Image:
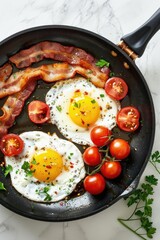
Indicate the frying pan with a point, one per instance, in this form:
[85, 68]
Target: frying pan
[139, 95]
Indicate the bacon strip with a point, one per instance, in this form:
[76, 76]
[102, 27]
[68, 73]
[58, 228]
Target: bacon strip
[5, 72]
[49, 73]
[53, 50]
[13, 107]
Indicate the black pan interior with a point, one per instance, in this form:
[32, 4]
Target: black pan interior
[141, 141]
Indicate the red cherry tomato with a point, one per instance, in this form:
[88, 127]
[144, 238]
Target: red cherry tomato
[119, 148]
[128, 119]
[11, 145]
[91, 156]
[94, 184]
[111, 169]
[38, 112]
[100, 135]
[116, 88]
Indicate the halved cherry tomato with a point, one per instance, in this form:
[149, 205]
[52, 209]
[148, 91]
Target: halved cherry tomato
[116, 88]
[119, 148]
[100, 136]
[11, 145]
[38, 112]
[91, 156]
[94, 184]
[111, 169]
[128, 119]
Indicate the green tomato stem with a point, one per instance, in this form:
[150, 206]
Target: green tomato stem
[154, 165]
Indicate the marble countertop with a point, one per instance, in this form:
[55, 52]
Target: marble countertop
[111, 19]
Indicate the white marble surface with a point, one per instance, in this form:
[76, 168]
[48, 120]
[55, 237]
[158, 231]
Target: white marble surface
[111, 19]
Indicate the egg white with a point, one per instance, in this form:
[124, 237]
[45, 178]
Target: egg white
[63, 185]
[58, 98]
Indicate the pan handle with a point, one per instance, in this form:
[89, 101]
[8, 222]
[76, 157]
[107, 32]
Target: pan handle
[137, 41]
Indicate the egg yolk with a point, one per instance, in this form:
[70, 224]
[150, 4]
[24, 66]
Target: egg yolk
[46, 165]
[84, 110]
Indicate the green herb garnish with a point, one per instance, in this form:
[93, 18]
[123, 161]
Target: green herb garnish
[14, 75]
[111, 74]
[34, 161]
[93, 101]
[101, 63]
[2, 186]
[48, 197]
[59, 108]
[45, 191]
[102, 95]
[7, 170]
[142, 200]
[26, 168]
[77, 105]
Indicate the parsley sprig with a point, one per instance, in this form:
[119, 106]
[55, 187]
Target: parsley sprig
[142, 200]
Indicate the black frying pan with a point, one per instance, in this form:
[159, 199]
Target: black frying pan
[139, 95]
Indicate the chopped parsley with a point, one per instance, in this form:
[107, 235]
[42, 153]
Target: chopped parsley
[7, 170]
[112, 74]
[34, 161]
[14, 75]
[59, 108]
[102, 95]
[77, 105]
[45, 191]
[101, 63]
[2, 186]
[70, 155]
[93, 101]
[26, 168]
[71, 180]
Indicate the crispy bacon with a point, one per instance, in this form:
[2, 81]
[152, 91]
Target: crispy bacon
[5, 72]
[49, 73]
[13, 107]
[21, 84]
[53, 50]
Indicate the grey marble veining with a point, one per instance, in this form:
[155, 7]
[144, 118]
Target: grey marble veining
[111, 19]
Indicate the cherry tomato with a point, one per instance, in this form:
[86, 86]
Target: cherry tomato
[100, 135]
[128, 119]
[11, 145]
[111, 169]
[94, 184]
[38, 112]
[91, 156]
[119, 148]
[116, 88]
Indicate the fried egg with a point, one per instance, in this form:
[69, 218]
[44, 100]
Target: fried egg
[76, 106]
[48, 169]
